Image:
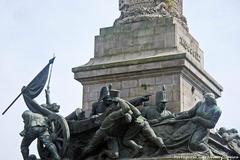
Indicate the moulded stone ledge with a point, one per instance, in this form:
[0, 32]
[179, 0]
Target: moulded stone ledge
[186, 156]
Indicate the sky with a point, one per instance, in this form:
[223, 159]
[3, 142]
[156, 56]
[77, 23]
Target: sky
[31, 31]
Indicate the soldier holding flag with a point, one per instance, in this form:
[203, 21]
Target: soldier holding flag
[35, 119]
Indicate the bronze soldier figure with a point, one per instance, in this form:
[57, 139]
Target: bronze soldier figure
[140, 125]
[35, 126]
[157, 113]
[229, 135]
[205, 115]
[108, 126]
[54, 107]
[103, 102]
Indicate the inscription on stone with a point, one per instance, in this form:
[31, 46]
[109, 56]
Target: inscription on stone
[190, 50]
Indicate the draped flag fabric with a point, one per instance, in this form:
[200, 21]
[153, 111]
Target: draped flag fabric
[34, 88]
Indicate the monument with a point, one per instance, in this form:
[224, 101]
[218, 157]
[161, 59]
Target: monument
[148, 46]
[148, 55]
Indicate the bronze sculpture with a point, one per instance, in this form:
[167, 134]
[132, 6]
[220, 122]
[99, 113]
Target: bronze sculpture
[205, 115]
[231, 137]
[140, 125]
[191, 128]
[108, 126]
[158, 112]
[119, 124]
[36, 126]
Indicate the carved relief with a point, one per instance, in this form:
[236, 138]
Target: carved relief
[136, 10]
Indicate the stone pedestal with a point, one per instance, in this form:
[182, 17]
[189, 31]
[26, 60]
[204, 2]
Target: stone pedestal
[139, 58]
[183, 158]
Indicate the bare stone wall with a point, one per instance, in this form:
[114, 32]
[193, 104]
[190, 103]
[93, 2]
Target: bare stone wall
[135, 38]
[190, 95]
[165, 36]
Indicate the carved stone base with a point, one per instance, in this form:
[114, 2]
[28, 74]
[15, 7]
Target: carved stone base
[181, 158]
[184, 156]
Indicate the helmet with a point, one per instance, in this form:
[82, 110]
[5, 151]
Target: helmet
[26, 114]
[55, 107]
[233, 130]
[210, 97]
[114, 93]
[161, 96]
[222, 130]
[104, 92]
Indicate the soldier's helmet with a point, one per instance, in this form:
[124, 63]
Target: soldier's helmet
[114, 93]
[26, 114]
[210, 97]
[233, 130]
[55, 107]
[104, 93]
[222, 130]
[161, 96]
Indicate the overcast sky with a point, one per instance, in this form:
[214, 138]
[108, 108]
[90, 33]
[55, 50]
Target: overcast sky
[32, 30]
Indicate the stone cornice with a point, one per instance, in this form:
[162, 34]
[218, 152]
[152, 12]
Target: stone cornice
[128, 63]
[152, 65]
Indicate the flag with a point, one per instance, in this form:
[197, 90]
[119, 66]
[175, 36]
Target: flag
[34, 88]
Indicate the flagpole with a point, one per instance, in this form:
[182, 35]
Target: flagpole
[50, 75]
[12, 103]
[50, 62]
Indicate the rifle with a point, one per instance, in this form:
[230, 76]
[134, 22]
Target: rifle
[139, 100]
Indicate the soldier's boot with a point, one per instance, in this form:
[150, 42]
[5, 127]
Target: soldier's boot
[53, 150]
[137, 152]
[109, 154]
[159, 142]
[210, 153]
[162, 148]
[137, 149]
